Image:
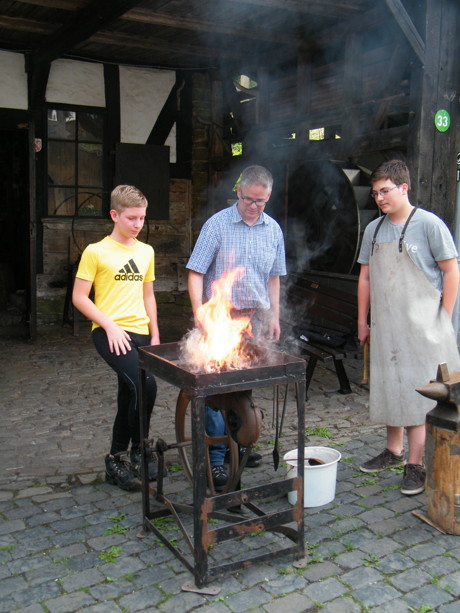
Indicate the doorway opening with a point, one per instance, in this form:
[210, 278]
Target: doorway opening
[14, 231]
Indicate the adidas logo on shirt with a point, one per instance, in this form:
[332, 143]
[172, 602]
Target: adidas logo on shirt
[129, 272]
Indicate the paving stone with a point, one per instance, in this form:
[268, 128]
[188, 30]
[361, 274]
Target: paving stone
[448, 608]
[141, 599]
[376, 594]
[439, 565]
[69, 602]
[341, 605]
[70, 551]
[111, 590]
[451, 583]
[83, 579]
[11, 585]
[284, 584]
[350, 559]
[294, 603]
[45, 573]
[103, 607]
[323, 591]
[410, 580]
[317, 572]
[9, 527]
[360, 577]
[395, 562]
[430, 595]
[33, 492]
[123, 566]
[247, 599]
[33, 608]
[424, 552]
[380, 547]
[398, 605]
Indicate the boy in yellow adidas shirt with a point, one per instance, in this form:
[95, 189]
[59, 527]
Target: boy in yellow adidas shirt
[121, 271]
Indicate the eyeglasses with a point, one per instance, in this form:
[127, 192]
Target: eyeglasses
[384, 191]
[249, 201]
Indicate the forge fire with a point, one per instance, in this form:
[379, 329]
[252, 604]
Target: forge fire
[218, 343]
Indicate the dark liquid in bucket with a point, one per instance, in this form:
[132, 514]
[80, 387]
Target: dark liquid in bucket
[313, 462]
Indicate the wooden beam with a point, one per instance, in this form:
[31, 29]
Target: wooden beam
[83, 24]
[179, 22]
[352, 86]
[408, 28]
[124, 40]
[167, 116]
[212, 27]
[392, 138]
[338, 8]
[25, 25]
[432, 154]
[80, 27]
[65, 5]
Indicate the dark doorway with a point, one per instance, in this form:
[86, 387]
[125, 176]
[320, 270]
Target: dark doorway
[14, 230]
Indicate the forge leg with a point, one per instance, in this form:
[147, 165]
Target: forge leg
[143, 420]
[301, 397]
[199, 490]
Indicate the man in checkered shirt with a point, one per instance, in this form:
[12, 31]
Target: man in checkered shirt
[241, 235]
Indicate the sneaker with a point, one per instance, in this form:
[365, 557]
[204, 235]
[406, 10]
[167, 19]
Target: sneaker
[386, 459]
[118, 471]
[136, 463]
[413, 480]
[254, 458]
[219, 477]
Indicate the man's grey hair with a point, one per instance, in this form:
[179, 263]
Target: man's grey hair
[256, 175]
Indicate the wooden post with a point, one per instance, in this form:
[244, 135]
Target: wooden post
[443, 477]
[432, 154]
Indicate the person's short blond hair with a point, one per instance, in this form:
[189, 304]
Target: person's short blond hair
[126, 196]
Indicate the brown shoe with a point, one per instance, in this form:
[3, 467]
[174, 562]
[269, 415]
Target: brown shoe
[386, 459]
[413, 480]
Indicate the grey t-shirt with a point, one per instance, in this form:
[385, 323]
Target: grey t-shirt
[428, 240]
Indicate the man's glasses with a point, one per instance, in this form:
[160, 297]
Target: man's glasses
[249, 201]
[384, 191]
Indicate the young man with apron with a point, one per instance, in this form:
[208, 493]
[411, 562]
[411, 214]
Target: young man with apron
[409, 281]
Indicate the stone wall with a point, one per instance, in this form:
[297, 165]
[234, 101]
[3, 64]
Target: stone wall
[65, 238]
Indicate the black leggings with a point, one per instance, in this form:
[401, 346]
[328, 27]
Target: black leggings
[126, 427]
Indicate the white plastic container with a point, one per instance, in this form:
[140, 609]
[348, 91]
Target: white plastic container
[319, 479]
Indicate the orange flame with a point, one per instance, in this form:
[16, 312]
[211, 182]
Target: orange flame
[218, 342]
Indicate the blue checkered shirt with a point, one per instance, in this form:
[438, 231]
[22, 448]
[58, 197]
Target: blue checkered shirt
[227, 241]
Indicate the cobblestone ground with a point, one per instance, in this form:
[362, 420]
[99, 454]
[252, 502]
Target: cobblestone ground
[69, 541]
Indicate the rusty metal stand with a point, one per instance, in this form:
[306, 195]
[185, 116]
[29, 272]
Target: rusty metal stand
[205, 507]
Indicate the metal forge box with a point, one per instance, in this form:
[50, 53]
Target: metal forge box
[268, 368]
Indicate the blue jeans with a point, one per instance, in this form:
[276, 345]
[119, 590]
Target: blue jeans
[215, 426]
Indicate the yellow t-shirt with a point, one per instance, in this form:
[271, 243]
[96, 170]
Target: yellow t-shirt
[118, 274]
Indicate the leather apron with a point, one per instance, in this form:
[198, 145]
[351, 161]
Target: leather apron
[411, 333]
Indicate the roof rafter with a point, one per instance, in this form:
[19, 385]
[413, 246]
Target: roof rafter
[323, 8]
[80, 26]
[407, 26]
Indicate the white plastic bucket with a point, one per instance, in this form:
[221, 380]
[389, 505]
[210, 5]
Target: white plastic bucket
[319, 479]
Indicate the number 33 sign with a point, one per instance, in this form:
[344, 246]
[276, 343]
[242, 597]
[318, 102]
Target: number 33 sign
[442, 120]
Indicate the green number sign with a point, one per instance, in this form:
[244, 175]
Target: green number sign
[442, 120]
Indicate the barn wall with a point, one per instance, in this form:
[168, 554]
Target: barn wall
[65, 239]
[143, 93]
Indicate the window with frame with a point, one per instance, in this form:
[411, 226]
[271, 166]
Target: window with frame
[75, 162]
